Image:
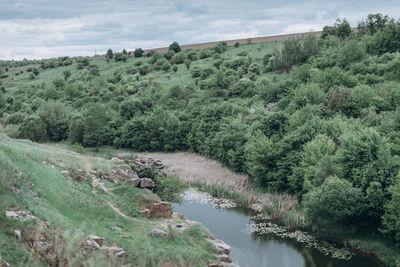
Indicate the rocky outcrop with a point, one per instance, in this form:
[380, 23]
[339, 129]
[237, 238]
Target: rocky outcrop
[148, 162]
[147, 183]
[163, 209]
[160, 233]
[116, 251]
[21, 215]
[3, 263]
[94, 242]
[134, 182]
[223, 251]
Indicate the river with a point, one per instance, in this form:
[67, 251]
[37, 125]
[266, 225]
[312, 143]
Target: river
[252, 249]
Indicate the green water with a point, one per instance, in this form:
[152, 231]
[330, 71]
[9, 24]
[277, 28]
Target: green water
[264, 250]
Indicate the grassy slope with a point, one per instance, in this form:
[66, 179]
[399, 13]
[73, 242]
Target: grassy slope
[76, 211]
[167, 79]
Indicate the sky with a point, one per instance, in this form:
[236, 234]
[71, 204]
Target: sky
[35, 29]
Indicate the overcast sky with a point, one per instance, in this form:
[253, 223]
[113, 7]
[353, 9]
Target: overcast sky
[50, 28]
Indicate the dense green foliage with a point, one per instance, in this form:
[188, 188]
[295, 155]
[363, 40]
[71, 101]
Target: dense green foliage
[325, 128]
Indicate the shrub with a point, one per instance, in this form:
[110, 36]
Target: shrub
[170, 188]
[336, 203]
[33, 128]
[138, 52]
[174, 47]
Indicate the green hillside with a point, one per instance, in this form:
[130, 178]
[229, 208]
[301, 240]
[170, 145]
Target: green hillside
[315, 116]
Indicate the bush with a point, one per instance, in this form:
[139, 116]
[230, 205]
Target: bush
[174, 47]
[33, 128]
[120, 57]
[170, 188]
[138, 52]
[333, 206]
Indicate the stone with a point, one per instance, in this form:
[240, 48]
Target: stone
[90, 245]
[22, 215]
[146, 183]
[65, 172]
[162, 208]
[116, 251]
[45, 246]
[225, 258]
[134, 181]
[99, 240]
[125, 156]
[145, 213]
[160, 233]
[3, 263]
[116, 228]
[18, 234]
[221, 246]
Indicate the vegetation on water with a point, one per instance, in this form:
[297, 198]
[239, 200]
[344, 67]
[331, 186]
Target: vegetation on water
[316, 117]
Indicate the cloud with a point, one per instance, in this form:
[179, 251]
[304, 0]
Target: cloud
[47, 28]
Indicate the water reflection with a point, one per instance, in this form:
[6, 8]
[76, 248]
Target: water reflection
[264, 250]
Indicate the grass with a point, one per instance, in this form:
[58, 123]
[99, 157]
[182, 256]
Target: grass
[75, 212]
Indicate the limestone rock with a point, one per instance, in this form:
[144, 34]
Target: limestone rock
[146, 183]
[22, 215]
[134, 181]
[99, 240]
[3, 263]
[18, 234]
[116, 251]
[221, 246]
[225, 258]
[45, 246]
[89, 245]
[162, 208]
[160, 233]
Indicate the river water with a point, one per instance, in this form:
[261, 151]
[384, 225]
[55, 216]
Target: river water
[252, 249]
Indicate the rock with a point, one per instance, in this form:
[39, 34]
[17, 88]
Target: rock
[160, 233]
[222, 264]
[221, 246]
[18, 234]
[45, 246]
[145, 213]
[3, 263]
[60, 164]
[99, 240]
[65, 172]
[22, 215]
[163, 209]
[116, 251]
[134, 181]
[116, 228]
[146, 183]
[225, 258]
[90, 245]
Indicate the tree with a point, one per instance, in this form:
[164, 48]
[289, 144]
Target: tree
[55, 117]
[138, 52]
[391, 217]
[343, 28]
[124, 52]
[120, 57]
[33, 128]
[334, 204]
[174, 47]
[67, 74]
[95, 125]
[109, 54]
[35, 71]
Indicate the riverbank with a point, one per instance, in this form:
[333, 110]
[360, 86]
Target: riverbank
[210, 176]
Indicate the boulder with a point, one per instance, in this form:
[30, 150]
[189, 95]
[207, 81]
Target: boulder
[22, 215]
[18, 234]
[3, 263]
[146, 183]
[89, 245]
[225, 258]
[221, 246]
[133, 181]
[45, 246]
[99, 240]
[162, 208]
[160, 233]
[116, 251]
